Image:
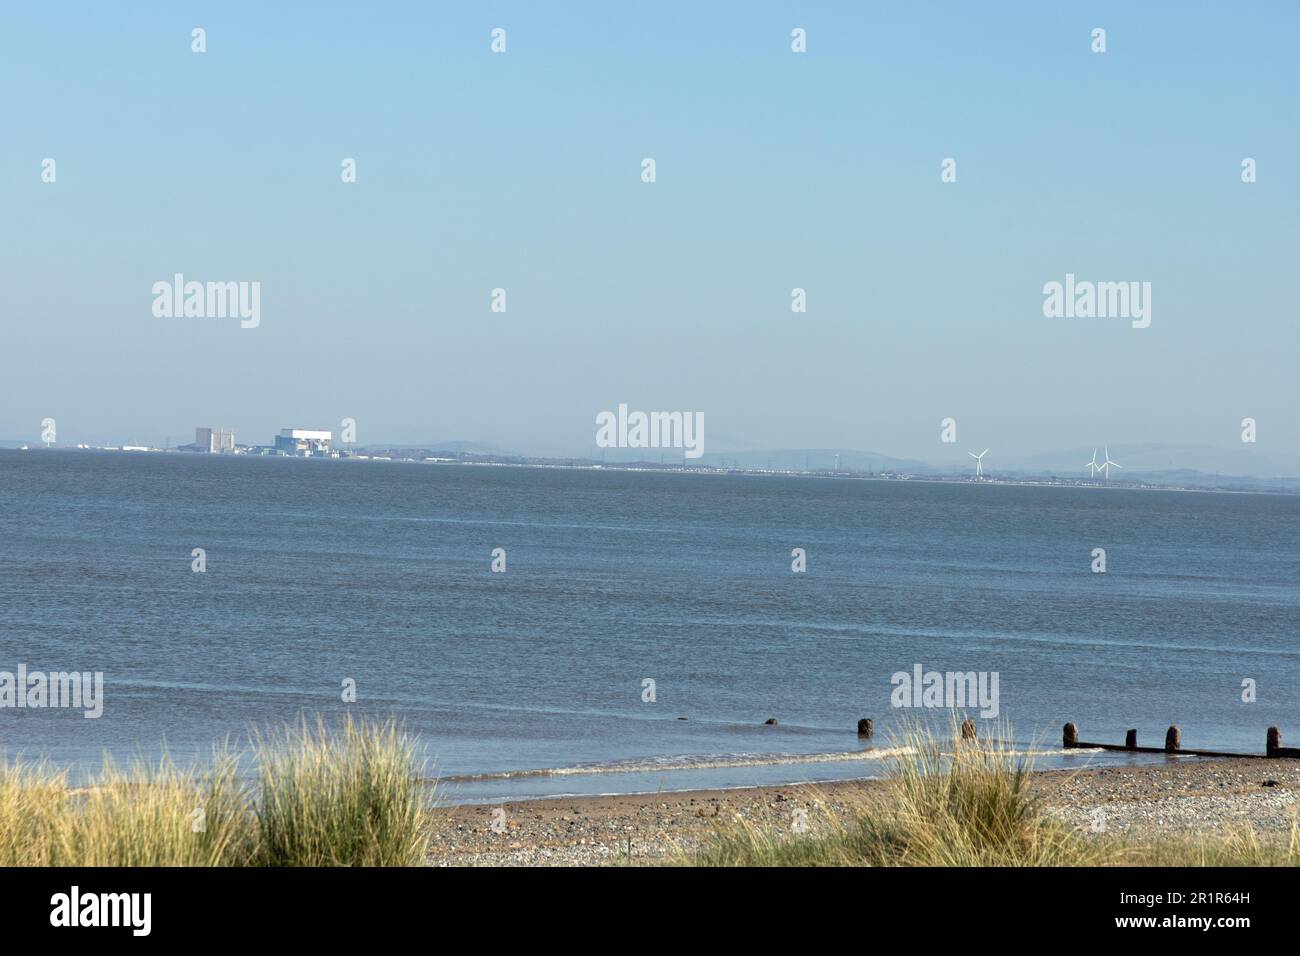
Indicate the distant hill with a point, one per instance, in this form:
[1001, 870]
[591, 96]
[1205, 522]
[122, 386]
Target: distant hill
[1150, 459]
[456, 447]
[818, 459]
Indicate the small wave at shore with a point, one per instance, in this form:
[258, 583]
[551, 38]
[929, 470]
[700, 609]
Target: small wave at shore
[722, 761]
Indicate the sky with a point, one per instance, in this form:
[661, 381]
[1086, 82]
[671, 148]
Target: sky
[775, 170]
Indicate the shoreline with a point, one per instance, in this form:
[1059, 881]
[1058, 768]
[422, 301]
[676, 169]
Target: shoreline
[1025, 481]
[1182, 795]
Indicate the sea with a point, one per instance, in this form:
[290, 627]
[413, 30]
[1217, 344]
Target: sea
[646, 625]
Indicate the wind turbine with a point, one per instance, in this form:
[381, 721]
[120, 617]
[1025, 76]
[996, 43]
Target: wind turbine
[1092, 466]
[1107, 464]
[979, 462]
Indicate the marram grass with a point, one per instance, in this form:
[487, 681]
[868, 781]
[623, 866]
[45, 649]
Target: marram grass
[1238, 846]
[348, 798]
[971, 804]
[352, 796]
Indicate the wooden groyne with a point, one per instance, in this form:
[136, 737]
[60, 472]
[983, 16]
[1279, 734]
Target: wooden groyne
[1174, 745]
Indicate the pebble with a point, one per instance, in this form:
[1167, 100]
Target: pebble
[1185, 794]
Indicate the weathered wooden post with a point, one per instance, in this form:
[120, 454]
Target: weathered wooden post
[1070, 736]
[968, 729]
[1131, 740]
[865, 728]
[1173, 739]
[1274, 742]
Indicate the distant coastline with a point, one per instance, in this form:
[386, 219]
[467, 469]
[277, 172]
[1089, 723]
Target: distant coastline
[1138, 481]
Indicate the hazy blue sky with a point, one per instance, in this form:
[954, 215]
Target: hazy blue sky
[775, 170]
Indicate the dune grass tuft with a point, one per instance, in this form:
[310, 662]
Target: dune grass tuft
[353, 796]
[145, 815]
[32, 800]
[1238, 846]
[965, 804]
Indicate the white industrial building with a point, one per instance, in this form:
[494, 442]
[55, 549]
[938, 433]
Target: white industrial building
[303, 441]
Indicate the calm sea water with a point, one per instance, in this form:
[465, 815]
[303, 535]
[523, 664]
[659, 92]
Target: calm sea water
[530, 682]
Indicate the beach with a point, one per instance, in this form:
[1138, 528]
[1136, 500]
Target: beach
[1183, 795]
